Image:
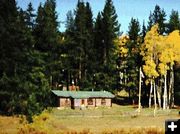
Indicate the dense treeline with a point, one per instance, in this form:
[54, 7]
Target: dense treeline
[36, 57]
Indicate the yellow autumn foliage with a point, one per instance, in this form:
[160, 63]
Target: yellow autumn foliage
[150, 69]
[41, 125]
[160, 52]
[150, 50]
[173, 42]
[163, 68]
[170, 51]
[120, 44]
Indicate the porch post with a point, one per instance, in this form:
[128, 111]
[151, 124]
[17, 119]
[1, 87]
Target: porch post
[95, 102]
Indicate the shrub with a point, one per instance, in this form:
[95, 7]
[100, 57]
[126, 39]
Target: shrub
[39, 125]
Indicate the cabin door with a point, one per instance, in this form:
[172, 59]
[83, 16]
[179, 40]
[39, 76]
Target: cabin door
[82, 102]
[72, 103]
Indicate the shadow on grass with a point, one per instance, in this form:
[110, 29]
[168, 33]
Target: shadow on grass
[124, 100]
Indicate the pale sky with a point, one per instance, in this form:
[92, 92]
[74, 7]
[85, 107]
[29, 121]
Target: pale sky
[125, 9]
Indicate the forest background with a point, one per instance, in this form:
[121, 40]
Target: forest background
[35, 57]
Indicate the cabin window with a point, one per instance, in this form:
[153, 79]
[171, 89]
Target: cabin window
[90, 101]
[67, 102]
[103, 101]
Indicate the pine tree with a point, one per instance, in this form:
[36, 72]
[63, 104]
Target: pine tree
[134, 29]
[38, 29]
[89, 49]
[70, 54]
[30, 16]
[110, 30]
[8, 17]
[158, 17]
[80, 29]
[15, 83]
[98, 40]
[84, 41]
[106, 31]
[134, 59]
[46, 28]
[174, 22]
[46, 37]
[144, 30]
[150, 22]
[69, 22]
[89, 18]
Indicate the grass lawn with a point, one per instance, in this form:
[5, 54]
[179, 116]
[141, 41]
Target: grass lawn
[117, 117]
[96, 120]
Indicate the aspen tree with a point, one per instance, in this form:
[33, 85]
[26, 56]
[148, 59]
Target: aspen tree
[122, 52]
[172, 55]
[149, 51]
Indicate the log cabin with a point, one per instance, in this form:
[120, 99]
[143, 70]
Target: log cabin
[83, 99]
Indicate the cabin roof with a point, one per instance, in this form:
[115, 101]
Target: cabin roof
[83, 94]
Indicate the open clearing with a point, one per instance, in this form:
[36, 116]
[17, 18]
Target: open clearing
[96, 120]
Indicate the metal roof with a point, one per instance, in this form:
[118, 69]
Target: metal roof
[83, 94]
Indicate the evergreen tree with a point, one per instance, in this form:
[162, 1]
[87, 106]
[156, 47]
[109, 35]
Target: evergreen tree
[38, 29]
[84, 41]
[80, 32]
[150, 22]
[106, 31]
[158, 16]
[110, 30]
[69, 22]
[46, 37]
[89, 18]
[134, 59]
[174, 21]
[134, 34]
[89, 48]
[14, 80]
[30, 16]
[144, 30]
[69, 51]
[8, 15]
[134, 29]
[162, 24]
[46, 29]
[98, 40]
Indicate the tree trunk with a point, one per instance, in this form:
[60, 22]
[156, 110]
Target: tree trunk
[139, 105]
[172, 97]
[155, 103]
[105, 56]
[151, 88]
[125, 78]
[51, 82]
[159, 97]
[80, 69]
[171, 88]
[159, 92]
[68, 80]
[165, 93]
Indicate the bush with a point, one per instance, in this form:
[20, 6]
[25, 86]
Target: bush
[39, 125]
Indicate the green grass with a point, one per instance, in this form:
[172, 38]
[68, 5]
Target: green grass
[114, 111]
[118, 119]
